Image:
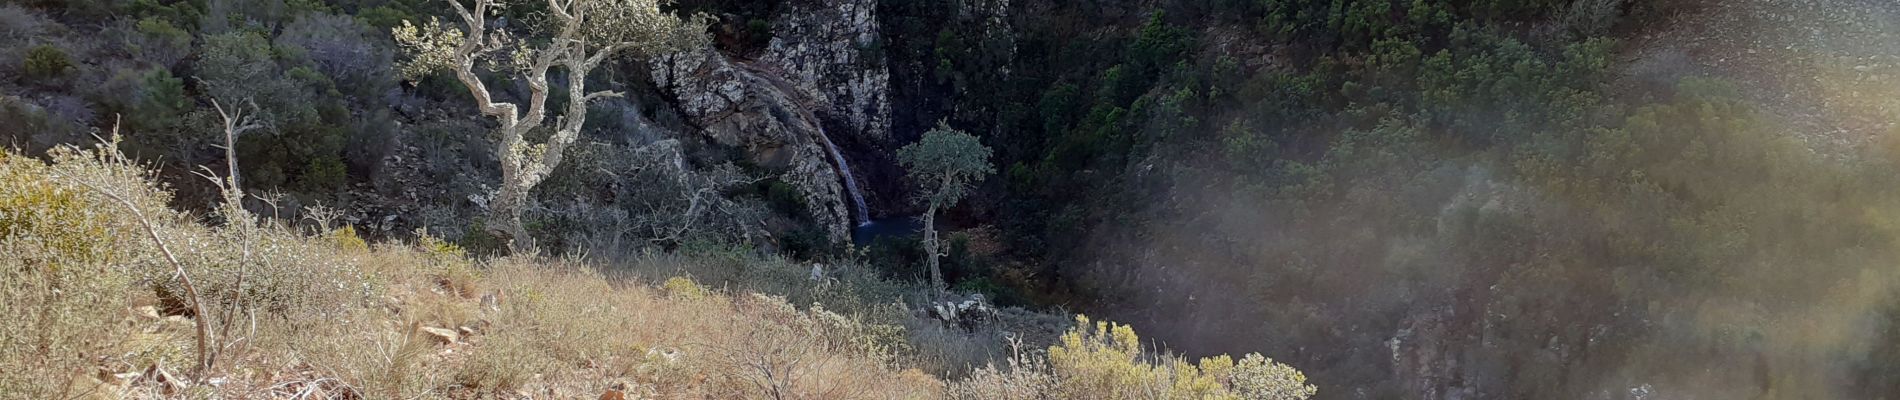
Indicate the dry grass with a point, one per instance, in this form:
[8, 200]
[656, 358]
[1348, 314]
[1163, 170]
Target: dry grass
[92, 311]
[92, 314]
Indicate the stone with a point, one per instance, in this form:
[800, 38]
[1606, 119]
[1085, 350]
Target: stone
[439, 335]
[664, 354]
[146, 312]
[970, 312]
[491, 301]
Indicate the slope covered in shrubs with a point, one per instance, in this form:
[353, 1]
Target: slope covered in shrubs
[110, 294]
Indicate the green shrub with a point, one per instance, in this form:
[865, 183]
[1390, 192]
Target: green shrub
[32, 128]
[384, 17]
[239, 68]
[784, 198]
[1257, 377]
[805, 242]
[1103, 360]
[325, 174]
[449, 265]
[64, 299]
[1159, 44]
[184, 13]
[45, 62]
[681, 287]
[345, 238]
[158, 42]
[479, 240]
[53, 220]
[158, 106]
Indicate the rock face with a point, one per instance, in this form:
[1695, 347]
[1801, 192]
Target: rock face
[745, 106]
[822, 74]
[829, 51]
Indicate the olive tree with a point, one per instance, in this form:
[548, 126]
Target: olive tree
[943, 165]
[576, 36]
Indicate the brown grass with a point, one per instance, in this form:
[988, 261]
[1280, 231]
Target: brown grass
[90, 312]
[295, 316]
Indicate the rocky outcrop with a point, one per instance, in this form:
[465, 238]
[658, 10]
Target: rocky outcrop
[830, 52]
[740, 105]
[992, 16]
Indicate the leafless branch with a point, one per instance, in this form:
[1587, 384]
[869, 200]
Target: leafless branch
[235, 123]
[199, 317]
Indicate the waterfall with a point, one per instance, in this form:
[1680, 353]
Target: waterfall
[783, 96]
[862, 212]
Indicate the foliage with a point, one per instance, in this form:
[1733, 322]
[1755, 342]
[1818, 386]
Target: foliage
[57, 242]
[47, 63]
[33, 128]
[345, 238]
[583, 34]
[1103, 360]
[357, 331]
[157, 41]
[651, 195]
[23, 23]
[161, 101]
[1257, 377]
[343, 50]
[944, 164]
[1024, 377]
[238, 68]
[684, 288]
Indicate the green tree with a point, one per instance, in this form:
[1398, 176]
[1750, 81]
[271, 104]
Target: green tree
[943, 164]
[158, 42]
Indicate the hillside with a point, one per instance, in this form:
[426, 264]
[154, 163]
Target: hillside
[1473, 199]
[112, 295]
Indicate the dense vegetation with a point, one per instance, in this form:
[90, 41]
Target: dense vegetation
[1408, 198]
[114, 295]
[1415, 197]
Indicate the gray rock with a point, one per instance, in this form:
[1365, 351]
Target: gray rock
[828, 51]
[749, 107]
[440, 335]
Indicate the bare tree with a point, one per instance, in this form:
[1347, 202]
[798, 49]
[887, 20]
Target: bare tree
[206, 342]
[585, 33]
[235, 123]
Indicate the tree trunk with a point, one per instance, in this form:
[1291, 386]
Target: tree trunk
[930, 248]
[504, 212]
[504, 216]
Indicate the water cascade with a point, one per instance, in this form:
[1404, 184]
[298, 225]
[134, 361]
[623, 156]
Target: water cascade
[859, 210]
[802, 116]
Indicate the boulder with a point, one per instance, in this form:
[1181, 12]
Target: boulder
[968, 312]
[147, 312]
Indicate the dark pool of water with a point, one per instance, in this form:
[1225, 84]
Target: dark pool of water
[894, 227]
